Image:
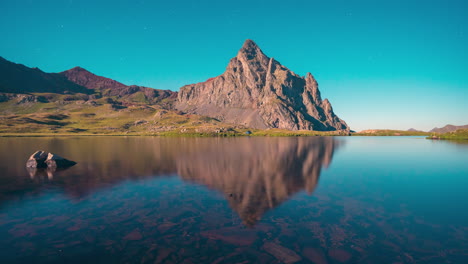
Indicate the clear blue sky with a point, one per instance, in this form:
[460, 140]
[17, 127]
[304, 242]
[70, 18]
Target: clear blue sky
[383, 64]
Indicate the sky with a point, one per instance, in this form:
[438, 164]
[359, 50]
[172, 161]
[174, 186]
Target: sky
[382, 64]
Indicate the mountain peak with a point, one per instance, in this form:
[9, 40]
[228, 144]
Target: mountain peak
[90, 80]
[249, 44]
[77, 69]
[259, 92]
[250, 50]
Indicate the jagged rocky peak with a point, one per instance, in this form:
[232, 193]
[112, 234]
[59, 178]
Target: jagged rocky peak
[259, 92]
[250, 51]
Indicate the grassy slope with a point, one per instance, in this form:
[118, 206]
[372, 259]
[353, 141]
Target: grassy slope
[460, 134]
[389, 132]
[77, 117]
[107, 116]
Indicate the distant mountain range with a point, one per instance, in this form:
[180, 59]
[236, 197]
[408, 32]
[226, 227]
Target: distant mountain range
[255, 91]
[19, 79]
[447, 128]
[109, 87]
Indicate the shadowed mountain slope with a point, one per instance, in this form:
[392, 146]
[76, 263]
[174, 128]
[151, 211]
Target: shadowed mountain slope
[17, 78]
[109, 87]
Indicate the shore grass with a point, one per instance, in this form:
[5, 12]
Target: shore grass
[390, 132]
[177, 133]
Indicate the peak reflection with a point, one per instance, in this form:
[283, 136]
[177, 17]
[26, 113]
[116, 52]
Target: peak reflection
[259, 174]
[254, 174]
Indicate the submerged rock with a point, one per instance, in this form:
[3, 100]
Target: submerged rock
[283, 254]
[42, 159]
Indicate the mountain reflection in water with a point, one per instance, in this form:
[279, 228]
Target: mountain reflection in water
[255, 175]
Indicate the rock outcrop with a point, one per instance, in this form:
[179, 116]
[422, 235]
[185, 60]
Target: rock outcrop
[43, 159]
[55, 161]
[259, 92]
[37, 160]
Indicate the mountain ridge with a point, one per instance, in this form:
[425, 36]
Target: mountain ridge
[110, 87]
[255, 91]
[18, 78]
[447, 128]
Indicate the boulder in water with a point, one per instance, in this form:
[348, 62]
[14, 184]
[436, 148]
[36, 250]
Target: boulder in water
[42, 159]
[37, 160]
[55, 161]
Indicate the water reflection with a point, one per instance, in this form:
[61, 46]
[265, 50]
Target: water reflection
[257, 175]
[254, 174]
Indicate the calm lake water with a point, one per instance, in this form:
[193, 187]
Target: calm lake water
[236, 200]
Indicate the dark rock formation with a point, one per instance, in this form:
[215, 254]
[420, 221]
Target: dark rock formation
[447, 128]
[42, 159]
[259, 92]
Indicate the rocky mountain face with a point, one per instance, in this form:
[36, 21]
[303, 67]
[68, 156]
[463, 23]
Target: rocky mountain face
[109, 87]
[259, 92]
[447, 128]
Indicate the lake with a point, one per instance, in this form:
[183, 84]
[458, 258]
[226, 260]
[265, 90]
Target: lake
[235, 200]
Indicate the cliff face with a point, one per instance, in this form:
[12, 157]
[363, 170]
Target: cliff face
[259, 92]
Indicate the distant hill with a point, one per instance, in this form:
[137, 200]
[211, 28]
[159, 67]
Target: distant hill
[17, 78]
[447, 128]
[414, 130]
[389, 132]
[109, 87]
[20, 79]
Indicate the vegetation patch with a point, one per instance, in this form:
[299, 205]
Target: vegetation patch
[460, 134]
[389, 132]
